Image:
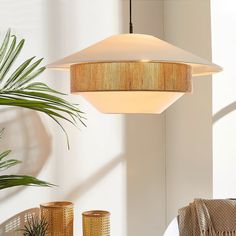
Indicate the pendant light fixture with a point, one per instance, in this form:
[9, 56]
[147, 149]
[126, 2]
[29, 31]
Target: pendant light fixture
[133, 73]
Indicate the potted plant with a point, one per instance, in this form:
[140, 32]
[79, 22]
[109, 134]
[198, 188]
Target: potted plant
[35, 227]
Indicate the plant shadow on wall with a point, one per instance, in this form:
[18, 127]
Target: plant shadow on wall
[17, 89]
[29, 141]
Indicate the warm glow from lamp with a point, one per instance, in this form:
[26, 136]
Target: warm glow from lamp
[132, 102]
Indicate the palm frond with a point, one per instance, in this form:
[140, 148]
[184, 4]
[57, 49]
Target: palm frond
[10, 57]
[8, 163]
[17, 73]
[8, 181]
[3, 48]
[4, 154]
[19, 88]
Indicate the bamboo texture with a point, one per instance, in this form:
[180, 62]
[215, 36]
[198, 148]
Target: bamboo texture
[59, 216]
[96, 223]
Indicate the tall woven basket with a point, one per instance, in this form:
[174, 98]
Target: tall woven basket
[60, 216]
[96, 223]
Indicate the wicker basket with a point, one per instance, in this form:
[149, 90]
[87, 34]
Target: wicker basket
[96, 223]
[59, 216]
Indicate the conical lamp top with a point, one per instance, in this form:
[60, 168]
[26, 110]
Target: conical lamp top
[137, 47]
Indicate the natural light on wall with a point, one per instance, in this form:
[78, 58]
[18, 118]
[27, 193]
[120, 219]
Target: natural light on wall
[224, 98]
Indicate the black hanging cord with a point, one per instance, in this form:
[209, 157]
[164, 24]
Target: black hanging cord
[131, 29]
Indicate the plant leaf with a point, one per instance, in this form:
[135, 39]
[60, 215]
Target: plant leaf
[11, 59]
[41, 87]
[3, 48]
[25, 73]
[19, 89]
[31, 76]
[4, 165]
[17, 72]
[4, 154]
[8, 181]
[35, 226]
[9, 52]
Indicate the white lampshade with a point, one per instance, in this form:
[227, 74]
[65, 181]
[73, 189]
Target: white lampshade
[132, 102]
[133, 73]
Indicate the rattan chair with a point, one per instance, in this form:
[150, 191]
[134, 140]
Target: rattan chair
[13, 226]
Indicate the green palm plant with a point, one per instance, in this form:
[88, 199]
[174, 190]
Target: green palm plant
[19, 89]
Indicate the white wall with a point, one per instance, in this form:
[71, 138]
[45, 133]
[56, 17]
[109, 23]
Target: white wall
[188, 121]
[224, 96]
[117, 162]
